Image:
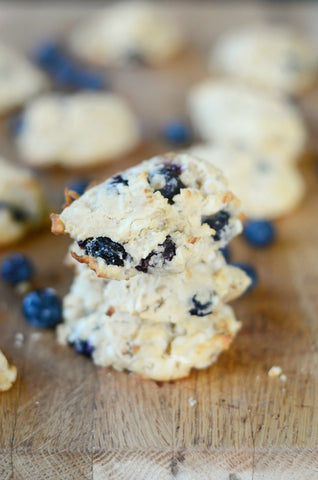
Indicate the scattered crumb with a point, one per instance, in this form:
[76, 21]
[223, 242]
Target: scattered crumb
[192, 401]
[8, 374]
[283, 377]
[35, 336]
[274, 371]
[37, 403]
[18, 340]
[23, 287]
[257, 378]
[283, 389]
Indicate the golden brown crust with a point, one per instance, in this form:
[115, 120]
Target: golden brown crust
[58, 226]
[70, 196]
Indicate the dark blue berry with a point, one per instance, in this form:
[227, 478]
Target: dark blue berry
[259, 233]
[88, 80]
[177, 133]
[16, 124]
[16, 268]
[173, 184]
[117, 180]
[113, 253]
[83, 347]
[78, 185]
[47, 54]
[250, 271]
[42, 308]
[157, 259]
[200, 309]
[16, 213]
[226, 252]
[217, 221]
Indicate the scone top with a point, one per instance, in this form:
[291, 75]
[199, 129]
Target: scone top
[157, 217]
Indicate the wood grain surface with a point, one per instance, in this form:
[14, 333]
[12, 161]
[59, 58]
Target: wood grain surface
[66, 419]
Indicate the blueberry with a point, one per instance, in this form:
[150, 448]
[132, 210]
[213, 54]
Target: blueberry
[259, 233]
[177, 133]
[78, 185]
[217, 221]
[83, 347]
[42, 308]
[16, 268]
[65, 73]
[117, 180]
[88, 80]
[113, 253]
[200, 309]
[173, 184]
[16, 213]
[158, 258]
[16, 124]
[250, 271]
[135, 57]
[226, 252]
[47, 54]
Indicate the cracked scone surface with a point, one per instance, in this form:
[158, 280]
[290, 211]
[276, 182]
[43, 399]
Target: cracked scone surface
[127, 32]
[19, 79]
[229, 112]
[270, 56]
[22, 204]
[266, 187]
[77, 130]
[157, 217]
[157, 350]
[196, 292]
[8, 373]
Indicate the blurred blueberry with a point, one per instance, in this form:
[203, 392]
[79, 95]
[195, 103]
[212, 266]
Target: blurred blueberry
[250, 271]
[259, 233]
[16, 124]
[78, 185]
[226, 252]
[177, 132]
[47, 54]
[83, 347]
[42, 308]
[16, 268]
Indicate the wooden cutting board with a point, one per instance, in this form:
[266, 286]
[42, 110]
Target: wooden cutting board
[66, 419]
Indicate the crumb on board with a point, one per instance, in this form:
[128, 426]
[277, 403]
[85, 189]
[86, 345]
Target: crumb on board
[18, 340]
[8, 374]
[275, 371]
[283, 377]
[192, 401]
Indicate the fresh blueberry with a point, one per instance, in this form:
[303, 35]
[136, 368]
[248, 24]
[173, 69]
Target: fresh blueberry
[217, 221]
[78, 185]
[16, 213]
[16, 268]
[158, 258]
[226, 252]
[177, 133]
[250, 271]
[83, 347]
[259, 233]
[173, 184]
[42, 308]
[113, 253]
[16, 124]
[47, 54]
[65, 73]
[89, 80]
[200, 309]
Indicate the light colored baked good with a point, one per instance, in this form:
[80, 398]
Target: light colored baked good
[19, 79]
[126, 32]
[157, 217]
[270, 56]
[8, 374]
[77, 130]
[22, 204]
[198, 291]
[266, 187]
[228, 112]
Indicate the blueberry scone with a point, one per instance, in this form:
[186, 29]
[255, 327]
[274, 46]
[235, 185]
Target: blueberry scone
[196, 292]
[157, 350]
[8, 374]
[127, 32]
[228, 112]
[266, 187]
[22, 205]
[157, 217]
[19, 79]
[270, 56]
[76, 130]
